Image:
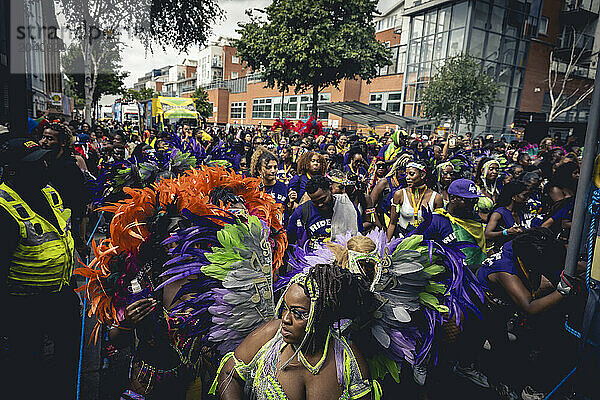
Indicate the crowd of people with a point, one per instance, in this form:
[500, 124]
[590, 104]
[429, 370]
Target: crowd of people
[448, 248]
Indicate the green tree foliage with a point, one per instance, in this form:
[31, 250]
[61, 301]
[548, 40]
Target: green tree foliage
[203, 106]
[313, 44]
[138, 95]
[108, 81]
[166, 23]
[459, 91]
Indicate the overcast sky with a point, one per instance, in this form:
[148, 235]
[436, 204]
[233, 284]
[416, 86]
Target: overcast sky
[137, 62]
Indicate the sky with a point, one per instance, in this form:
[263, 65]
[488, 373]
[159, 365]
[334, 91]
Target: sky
[137, 61]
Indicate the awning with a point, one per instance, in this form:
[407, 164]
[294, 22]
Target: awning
[371, 116]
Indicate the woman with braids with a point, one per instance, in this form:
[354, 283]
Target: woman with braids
[445, 176]
[384, 190]
[407, 203]
[309, 164]
[301, 355]
[506, 219]
[486, 176]
[264, 166]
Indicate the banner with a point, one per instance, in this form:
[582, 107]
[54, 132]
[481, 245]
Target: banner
[174, 107]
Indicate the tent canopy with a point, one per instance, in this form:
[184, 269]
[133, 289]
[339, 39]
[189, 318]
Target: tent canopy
[371, 116]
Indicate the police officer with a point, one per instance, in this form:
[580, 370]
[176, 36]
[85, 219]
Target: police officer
[40, 310]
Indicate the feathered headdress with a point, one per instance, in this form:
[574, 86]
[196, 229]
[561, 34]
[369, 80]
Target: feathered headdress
[136, 223]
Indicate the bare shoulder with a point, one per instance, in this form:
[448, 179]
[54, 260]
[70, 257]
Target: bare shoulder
[253, 342]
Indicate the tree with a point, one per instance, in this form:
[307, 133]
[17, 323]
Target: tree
[168, 23]
[108, 80]
[138, 95]
[203, 106]
[562, 97]
[459, 91]
[313, 44]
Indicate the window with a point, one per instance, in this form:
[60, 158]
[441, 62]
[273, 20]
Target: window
[394, 101]
[261, 108]
[234, 75]
[389, 101]
[543, 26]
[238, 110]
[235, 60]
[376, 100]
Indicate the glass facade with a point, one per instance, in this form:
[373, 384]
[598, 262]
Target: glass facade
[496, 32]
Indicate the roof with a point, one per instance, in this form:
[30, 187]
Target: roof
[423, 6]
[365, 114]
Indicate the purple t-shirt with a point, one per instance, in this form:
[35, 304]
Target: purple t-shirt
[440, 229]
[278, 191]
[298, 183]
[318, 228]
[499, 262]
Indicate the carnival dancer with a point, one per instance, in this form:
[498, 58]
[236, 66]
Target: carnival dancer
[324, 217]
[407, 203]
[486, 177]
[384, 190]
[150, 268]
[413, 289]
[301, 355]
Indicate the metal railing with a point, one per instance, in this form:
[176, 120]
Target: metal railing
[580, 71]
[575, 5]
[568, 39]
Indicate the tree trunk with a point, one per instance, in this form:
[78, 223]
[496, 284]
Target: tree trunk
[315, 101]
[282, 102]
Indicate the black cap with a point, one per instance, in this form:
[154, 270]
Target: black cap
[18, 150]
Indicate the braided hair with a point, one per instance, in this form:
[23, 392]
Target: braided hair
[340, 295]
[65, 137]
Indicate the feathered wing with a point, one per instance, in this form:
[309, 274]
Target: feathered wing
[119, 259]
[242, 299]
[423, 284]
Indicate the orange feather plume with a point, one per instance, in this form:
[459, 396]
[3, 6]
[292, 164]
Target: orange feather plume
[190, 191]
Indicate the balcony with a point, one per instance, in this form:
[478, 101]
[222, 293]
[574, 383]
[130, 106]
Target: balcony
[579, 12]
[216, 63]
[580, 71]
[582, 43]
[186, 89]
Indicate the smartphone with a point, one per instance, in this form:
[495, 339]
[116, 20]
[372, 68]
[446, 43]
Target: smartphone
[452, 142]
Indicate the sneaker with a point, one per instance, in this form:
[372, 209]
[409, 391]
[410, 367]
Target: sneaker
[420, 373]
[506, 393]
[529, 393]
[471, 373]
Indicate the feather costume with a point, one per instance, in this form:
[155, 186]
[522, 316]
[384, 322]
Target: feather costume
[144, 221]
[420, 284]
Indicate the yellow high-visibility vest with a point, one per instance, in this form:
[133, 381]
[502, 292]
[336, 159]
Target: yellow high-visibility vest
[43, 259]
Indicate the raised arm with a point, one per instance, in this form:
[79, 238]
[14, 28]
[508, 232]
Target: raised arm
[396, 201]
